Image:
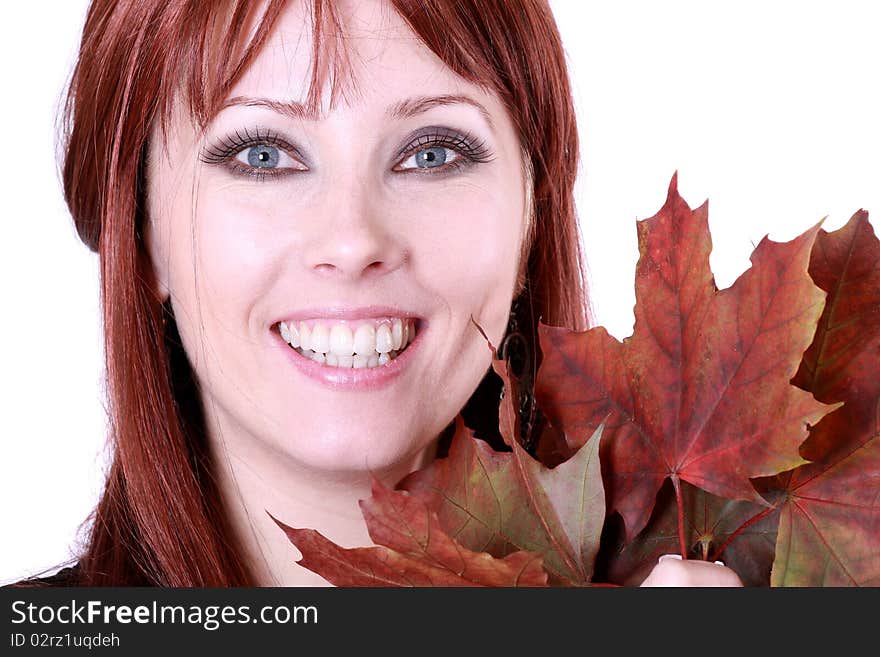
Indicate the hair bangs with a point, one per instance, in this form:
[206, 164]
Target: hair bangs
[221, 45]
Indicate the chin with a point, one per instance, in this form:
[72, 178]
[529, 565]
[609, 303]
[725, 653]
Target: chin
[343, 452]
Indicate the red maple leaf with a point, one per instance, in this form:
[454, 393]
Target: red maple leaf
[700, 392]
[412, 550]
[829, 531]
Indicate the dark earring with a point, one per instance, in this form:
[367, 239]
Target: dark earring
[516, 350]
[167, 312]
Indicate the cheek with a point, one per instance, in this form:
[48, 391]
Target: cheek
[223, 260]
[472, 249]
[233, 252]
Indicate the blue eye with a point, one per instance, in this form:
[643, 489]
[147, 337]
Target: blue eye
[439, 150]
[434, 157]
[264, 156]
[431, 157]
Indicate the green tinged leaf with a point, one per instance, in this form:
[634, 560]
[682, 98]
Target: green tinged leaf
[506, 501]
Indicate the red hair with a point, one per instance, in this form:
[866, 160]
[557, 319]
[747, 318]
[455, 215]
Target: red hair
[161, 520]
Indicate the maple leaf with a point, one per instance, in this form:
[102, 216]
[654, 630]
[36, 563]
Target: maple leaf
[412, 550]
[501, 502]
[843, 361]
[700, 392]
[829, 528]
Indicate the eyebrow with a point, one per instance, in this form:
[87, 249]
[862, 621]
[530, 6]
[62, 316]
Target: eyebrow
[403, 109]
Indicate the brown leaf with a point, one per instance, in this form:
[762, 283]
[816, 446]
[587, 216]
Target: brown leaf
[413, 550]
[700, 392]
[502, 502]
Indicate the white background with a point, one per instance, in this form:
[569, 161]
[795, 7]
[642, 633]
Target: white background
[767, 109]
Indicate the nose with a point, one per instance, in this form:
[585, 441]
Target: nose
[354, 235]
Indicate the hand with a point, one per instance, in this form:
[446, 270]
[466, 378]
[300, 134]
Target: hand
[672, 570]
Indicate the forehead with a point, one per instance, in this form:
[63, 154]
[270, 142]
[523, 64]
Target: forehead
[371, 56]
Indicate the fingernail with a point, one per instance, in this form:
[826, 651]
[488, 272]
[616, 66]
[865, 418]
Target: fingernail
[669, 556]
[719, 563]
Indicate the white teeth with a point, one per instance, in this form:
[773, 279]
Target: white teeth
[396, 333]
[371, 344]
[356, 362]
[289, 333]
[365, 339]
[320, 338]
[341, 340]
[383, 339]
[305, 336]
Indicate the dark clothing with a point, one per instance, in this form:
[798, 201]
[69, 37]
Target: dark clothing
[68, 576]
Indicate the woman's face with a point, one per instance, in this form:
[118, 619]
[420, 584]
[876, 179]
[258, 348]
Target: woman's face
[403, 205]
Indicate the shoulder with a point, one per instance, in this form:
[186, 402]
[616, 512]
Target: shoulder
[67, 576]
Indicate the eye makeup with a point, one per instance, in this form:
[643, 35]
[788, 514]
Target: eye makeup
[468, 146]
[469, 150]
[224, 152]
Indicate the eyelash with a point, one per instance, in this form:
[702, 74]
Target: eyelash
[469, 149]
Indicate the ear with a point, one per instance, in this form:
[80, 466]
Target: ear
[157, 259]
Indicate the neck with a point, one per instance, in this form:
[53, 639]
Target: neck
[256, 481]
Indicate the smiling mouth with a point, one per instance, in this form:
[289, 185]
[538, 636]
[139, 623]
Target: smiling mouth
[361, 344]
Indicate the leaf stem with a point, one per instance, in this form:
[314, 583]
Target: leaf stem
[755, 518]
[680, 505]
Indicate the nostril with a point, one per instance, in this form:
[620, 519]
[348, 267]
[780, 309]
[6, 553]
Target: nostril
[354, 269]
[379, 265]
